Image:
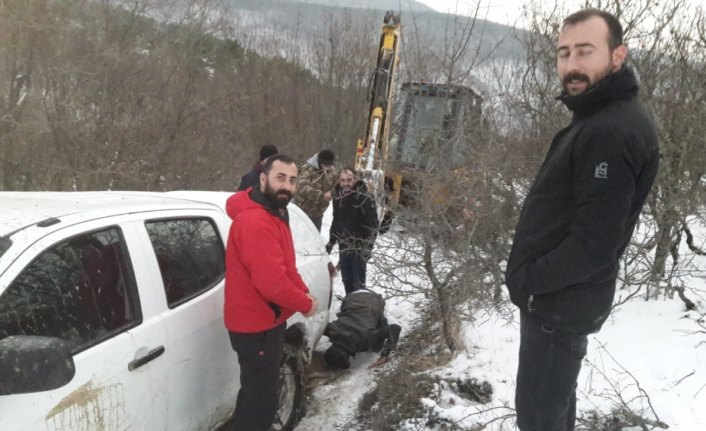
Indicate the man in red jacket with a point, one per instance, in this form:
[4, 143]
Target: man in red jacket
[263, 289]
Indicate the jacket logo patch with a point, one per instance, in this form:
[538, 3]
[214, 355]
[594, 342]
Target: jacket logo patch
[601, 171]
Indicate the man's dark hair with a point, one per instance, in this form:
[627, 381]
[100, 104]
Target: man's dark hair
[350, 170]
[267, 151]
[615, 29]
[326, 157]
[337, 356]
[277, 157]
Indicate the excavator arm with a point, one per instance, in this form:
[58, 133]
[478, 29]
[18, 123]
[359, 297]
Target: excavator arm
[371, 152]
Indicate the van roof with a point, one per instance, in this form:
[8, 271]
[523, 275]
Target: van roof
[23, 209]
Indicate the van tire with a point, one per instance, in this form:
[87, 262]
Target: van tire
[291, 398]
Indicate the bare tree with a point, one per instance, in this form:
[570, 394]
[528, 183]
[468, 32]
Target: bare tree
[157, 94]
[457, 203]
[23, 24]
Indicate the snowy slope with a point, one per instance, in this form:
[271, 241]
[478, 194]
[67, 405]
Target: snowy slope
[650, 357]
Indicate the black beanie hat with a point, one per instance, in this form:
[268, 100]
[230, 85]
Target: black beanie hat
[267, 151]
[337, 356]
[326, 157]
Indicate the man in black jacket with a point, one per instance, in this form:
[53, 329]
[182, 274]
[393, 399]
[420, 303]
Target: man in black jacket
[578, 218]
[252, 178]
[354, 228]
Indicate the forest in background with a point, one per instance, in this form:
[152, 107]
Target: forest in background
[173, 94]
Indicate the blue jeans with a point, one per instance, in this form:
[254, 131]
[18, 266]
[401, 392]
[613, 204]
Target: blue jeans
[353, 268]
[550, 361]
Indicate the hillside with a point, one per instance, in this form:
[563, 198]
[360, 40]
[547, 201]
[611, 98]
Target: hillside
[421, 25]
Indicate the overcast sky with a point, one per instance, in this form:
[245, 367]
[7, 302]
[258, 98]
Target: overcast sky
[509, 11]
[500, 11]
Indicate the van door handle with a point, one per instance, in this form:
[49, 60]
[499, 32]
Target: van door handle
[153, 354]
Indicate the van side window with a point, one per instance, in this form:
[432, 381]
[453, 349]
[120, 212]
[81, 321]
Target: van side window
[81, 290]
[190, 254]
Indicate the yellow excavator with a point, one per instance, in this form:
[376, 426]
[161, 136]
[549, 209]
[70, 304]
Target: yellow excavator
[429, 120]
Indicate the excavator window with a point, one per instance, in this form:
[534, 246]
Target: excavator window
[426, 135]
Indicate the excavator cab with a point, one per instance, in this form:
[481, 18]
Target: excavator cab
[432, 130]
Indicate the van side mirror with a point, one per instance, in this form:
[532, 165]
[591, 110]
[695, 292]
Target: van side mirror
[30, 363]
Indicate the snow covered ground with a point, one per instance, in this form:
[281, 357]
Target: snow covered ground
[649, 357]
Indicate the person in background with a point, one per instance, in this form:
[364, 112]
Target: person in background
[578, 218]
[360, 326]
[316, 181]
[354, 228]
[252, 178]
[263, 289]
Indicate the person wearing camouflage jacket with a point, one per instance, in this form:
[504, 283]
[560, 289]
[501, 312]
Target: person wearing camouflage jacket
[317, 178]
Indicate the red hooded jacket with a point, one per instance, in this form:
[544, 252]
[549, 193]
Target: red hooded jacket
[263, 286]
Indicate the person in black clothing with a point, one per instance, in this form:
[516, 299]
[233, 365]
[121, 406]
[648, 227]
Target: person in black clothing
[360, 326]
[354, 228]
[578, 218]
[252, 178]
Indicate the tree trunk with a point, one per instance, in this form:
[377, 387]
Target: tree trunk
[450, 324]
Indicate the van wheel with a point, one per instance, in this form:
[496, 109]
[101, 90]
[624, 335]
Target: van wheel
[291, 396]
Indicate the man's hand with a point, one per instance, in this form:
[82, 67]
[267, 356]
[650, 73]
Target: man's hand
[314, 306]
[327, 196]
[382, 360]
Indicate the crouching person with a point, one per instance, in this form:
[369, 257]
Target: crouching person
[361, 326]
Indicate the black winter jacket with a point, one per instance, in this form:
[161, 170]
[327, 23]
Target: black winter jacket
[252, 178]
[355, 219]
[582, 208]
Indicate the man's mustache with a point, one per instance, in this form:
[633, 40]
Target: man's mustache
[284, 192]
[576, 76]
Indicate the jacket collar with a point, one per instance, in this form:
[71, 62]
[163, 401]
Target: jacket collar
[313, 161]
[257, 167]
[618, 85]
[258, 197]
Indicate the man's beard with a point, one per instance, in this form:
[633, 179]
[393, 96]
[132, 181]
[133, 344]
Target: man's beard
[278, 198]
[585, 78]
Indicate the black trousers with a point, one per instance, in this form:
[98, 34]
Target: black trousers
[550, 361]
[353, 270]
[259, 356]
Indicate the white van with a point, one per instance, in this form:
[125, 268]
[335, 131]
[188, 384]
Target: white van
[111, 312]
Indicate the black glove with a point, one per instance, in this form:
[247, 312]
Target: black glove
[329, 247]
